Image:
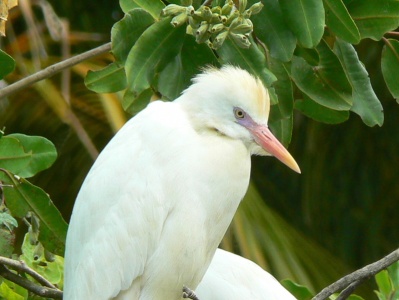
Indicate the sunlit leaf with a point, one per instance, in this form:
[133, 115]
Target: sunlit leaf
[340, 22]
[270, 27]
[43, 153]
[365, 102]
[154, 7]
[110, 79]
[305, 19]
[390, 66]
[7, 291]
[374, 17]
[384, 283]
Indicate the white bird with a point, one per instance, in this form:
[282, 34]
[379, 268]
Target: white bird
[232, 277]
[161, 195]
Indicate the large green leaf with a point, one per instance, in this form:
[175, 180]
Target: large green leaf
[251, 59]
[326, 83]
[7, 64]
[374, 17]
[340, 22]
[127, 31]
[43, 153]
[306, 20]
[134, 103]
[23, 197]
[156, 47]
[320, 113]
[270, 27]
[390, 66]
[280, 126]
[12, 155]
[110, 79]
[365, 101]
[177, 74]
[154, 7]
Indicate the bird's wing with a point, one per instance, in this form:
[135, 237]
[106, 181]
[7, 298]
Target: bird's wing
[233, 277]
[120, 210]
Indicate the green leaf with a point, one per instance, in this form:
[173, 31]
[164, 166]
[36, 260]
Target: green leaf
[7, 220]
[43, 153]
[283, 87]
[374, 17]
[127, 31]
[340, 22]
[7, 64]
[326, 83]
[7, 240]
[52, 271]
[156, 47]
[134, 103]
[365, 102]
[12, 155]
[270, 27]
[394, 275]
[154, 7]
[320, 113]
[280, 126]
[299, 291]
[251, 59]
[384, 282]
[110, 79]
[390, 66]
[306, 20]
[178, 73]
[23, 197]
[7, 291]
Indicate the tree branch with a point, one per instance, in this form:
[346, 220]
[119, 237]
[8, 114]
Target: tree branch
[53, 69]
[29, 285]
[349, 282]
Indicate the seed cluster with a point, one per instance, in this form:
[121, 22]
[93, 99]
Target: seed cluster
[214, 25]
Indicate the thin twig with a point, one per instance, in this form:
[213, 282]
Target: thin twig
[21, 266]
[29, 285]
[53, 69]
[354, 279]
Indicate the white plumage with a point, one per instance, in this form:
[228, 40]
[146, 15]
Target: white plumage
[232, 277]
[158, 200]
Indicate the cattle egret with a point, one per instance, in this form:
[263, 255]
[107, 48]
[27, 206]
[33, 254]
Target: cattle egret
[232, 277]
[161, 195]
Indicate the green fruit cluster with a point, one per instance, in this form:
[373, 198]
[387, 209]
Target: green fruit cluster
[214, 25]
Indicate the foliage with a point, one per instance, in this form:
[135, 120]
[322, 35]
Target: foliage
[305, 51]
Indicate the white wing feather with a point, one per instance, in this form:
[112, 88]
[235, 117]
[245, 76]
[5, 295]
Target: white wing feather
[233, 277]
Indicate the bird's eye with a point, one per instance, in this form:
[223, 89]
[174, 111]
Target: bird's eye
[239, 113]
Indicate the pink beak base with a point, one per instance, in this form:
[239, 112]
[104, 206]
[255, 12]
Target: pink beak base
[265, 138]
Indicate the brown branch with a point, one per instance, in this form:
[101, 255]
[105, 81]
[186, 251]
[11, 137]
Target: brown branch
[349, 282]
[29, 285]
[21, 266]
[53, 69]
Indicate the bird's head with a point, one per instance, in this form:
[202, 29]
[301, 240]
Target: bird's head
[233, 103]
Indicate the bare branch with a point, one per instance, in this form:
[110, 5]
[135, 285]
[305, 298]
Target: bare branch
[21, 266]
[29, 285]
[349, 282]
[53, 69]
